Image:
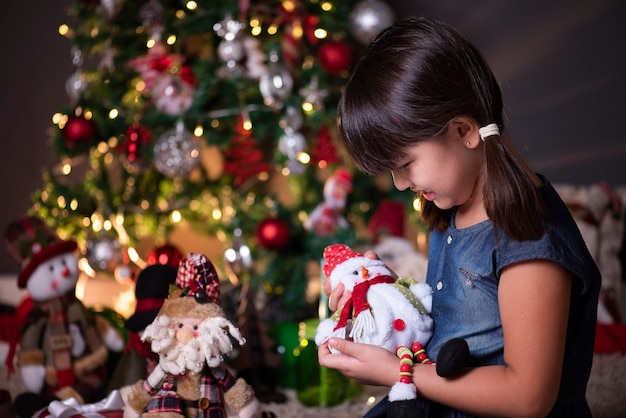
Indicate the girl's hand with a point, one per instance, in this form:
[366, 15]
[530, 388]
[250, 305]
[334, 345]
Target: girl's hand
[365, 363]
[338, 297]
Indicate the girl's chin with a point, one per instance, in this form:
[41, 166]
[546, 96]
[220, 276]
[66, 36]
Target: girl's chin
[442, 205]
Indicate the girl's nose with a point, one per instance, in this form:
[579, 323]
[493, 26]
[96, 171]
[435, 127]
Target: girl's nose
[400, 181]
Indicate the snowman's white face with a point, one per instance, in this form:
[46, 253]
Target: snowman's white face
[54, 277]
[358, 270]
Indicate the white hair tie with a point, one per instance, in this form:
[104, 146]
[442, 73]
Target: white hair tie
[489, 130]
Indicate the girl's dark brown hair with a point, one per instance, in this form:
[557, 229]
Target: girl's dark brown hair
[414, 78]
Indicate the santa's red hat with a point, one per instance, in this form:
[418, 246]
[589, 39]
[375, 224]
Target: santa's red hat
[342, 178]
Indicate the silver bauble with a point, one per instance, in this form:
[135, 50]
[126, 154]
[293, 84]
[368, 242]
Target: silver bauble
[230, 51]
[103, 253]
[276, 83]
[238, 257]
[368, 18]
[291, 143]
[177, 152]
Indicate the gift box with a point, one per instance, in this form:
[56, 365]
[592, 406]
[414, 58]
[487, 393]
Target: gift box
[110, 407]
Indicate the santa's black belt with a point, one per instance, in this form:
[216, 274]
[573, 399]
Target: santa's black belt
[202, 403]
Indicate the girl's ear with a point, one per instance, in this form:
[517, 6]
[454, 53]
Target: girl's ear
[466, 130]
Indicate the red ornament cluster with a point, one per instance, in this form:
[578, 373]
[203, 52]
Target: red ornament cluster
[136, 135]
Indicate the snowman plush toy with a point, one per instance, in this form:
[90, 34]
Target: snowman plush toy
[63, 347]
[390, 312]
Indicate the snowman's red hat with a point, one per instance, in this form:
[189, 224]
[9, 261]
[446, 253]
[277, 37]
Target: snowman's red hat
[31, 242]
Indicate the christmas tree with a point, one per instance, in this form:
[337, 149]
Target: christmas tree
[213, 114]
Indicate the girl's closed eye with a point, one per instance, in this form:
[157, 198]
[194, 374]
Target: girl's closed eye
[402, 166]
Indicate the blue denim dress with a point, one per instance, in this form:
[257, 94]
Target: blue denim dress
[464, 269]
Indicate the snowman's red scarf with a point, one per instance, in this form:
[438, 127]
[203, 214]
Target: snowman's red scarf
[358, 302]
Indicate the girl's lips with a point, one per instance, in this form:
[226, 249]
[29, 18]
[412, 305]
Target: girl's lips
[429, 195]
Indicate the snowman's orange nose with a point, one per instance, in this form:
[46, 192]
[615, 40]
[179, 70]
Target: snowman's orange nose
[365, 273]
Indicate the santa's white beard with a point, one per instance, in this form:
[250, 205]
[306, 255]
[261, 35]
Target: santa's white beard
[214, 340]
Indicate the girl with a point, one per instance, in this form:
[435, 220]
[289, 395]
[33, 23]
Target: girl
[509, 269]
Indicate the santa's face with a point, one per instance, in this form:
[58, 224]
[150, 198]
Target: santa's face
[55, 277]
[188, 344]
[335, 195]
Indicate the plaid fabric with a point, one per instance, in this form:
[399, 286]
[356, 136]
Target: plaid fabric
[165, 401]
[213, 383]
[198, 274]
[26, 237]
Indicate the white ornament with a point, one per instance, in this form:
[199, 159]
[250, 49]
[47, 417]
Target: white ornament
[368, 18]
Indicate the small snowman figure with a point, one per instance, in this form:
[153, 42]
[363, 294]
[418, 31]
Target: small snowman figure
[391, 312]
[62, 352]
[384, 310]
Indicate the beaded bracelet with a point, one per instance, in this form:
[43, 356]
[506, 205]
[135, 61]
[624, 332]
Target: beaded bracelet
[407, 356]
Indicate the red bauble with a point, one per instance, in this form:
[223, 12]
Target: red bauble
[335, 56]
[165, 254]
[78, 129]
[273, 233]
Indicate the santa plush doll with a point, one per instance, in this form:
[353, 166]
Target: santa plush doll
[390, 312]
[63, 347]
[327, 217]
[191, 335]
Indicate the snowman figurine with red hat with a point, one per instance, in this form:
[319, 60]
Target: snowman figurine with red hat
[191, 335]
[391, 312]
[384, 310]
[63, 347]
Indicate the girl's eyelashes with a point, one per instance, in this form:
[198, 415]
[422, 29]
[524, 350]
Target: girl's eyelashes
[404, 166]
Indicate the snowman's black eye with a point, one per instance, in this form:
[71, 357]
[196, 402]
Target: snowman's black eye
[355, 272]
[51, 268]
[180, 325]
[195, 327]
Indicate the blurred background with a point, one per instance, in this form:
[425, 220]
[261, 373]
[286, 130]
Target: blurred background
[561, 64]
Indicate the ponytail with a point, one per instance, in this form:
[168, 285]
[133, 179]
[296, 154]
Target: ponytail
[511, 200]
